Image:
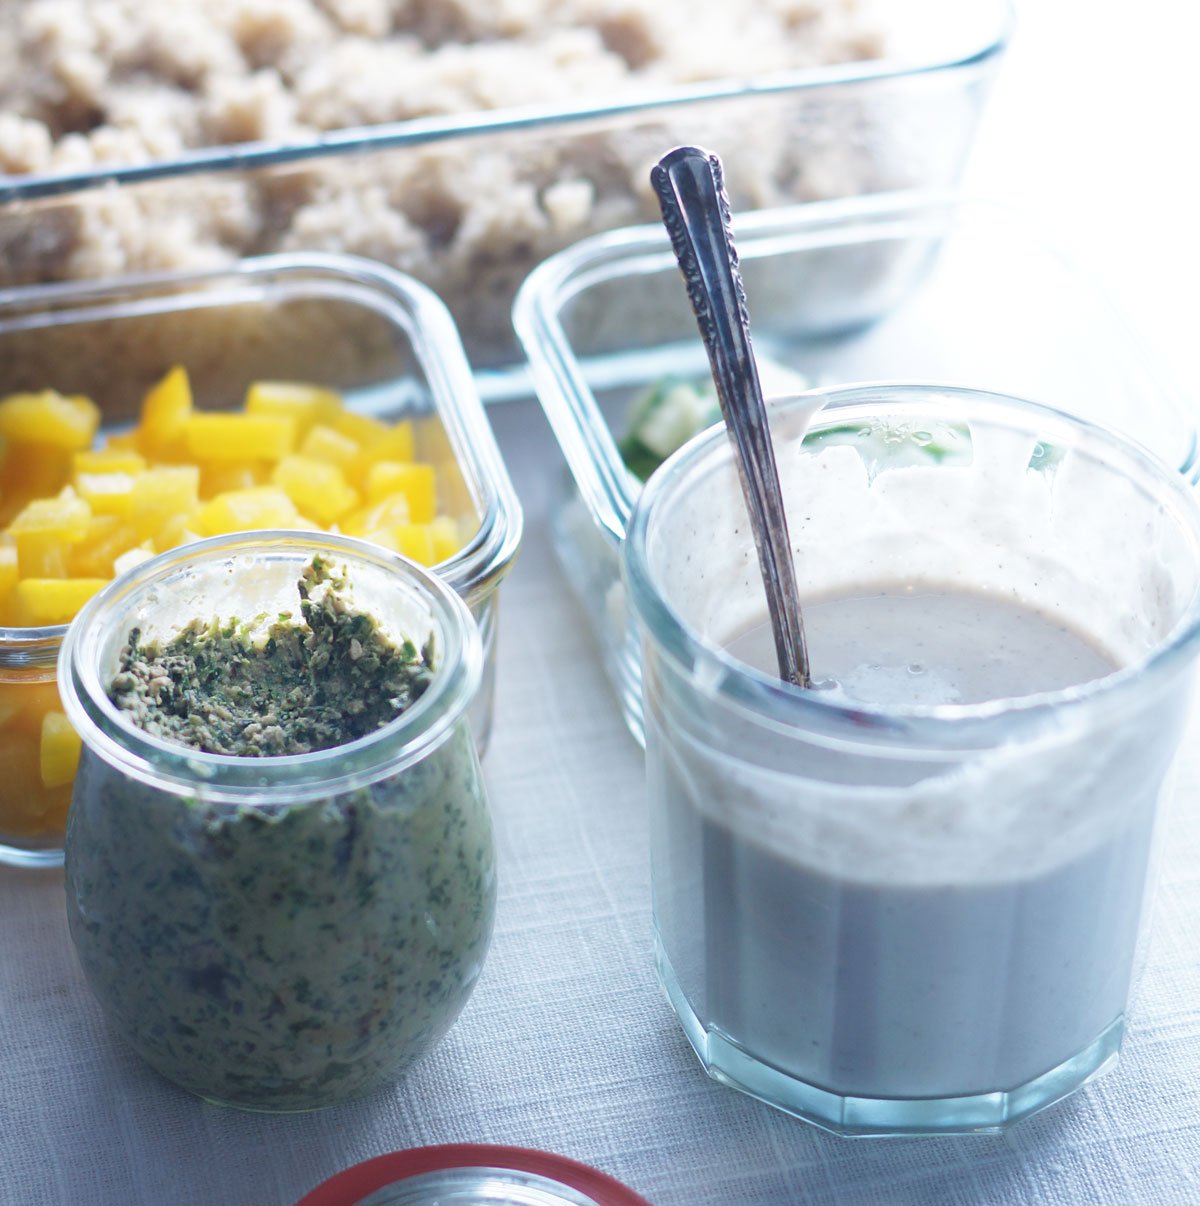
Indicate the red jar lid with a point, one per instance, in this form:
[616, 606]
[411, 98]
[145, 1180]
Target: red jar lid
[463, 1173]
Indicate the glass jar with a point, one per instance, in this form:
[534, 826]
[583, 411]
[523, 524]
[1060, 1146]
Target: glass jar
[279, 933]
[905, 917]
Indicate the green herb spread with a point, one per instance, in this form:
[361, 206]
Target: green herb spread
[251, 690]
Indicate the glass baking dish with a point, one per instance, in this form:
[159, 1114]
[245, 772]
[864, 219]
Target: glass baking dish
[469, 202]
[909, 286]
[384, 341]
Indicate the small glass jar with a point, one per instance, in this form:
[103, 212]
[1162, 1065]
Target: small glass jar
[279, 933]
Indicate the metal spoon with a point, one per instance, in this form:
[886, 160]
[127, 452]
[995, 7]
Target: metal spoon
[690, 187]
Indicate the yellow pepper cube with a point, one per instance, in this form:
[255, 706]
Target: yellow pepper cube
[107, 537]
[323, 443]
[64, 517]
[108, 459]
[8, 569]
[177, 530]
[162, 492]
[34, 470]
[45, 601]
[218, 476]
[166, 408]
[395, 443]
[49, 418]
[416, 541]
[386, 513]
[246, 511]
[384, 537]
[317, 488]
[59, 750]
[365, 431]
[106, 493]
[416, 481]
[446, 540]
[306, 404]
[239, 437]
[20, 775]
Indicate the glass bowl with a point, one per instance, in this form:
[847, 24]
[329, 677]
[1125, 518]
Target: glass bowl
[470, 201]
[917, 286]
[383, 340]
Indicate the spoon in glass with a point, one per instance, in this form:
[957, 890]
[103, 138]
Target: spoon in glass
[690, 187]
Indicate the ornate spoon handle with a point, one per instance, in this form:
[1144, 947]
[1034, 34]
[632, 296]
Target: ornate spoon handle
[690, 187]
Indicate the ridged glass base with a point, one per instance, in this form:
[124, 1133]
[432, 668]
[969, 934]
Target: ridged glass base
[728, 1064]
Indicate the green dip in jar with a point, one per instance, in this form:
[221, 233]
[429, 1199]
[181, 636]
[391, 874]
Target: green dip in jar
[279, 861]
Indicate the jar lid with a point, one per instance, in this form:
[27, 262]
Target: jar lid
[463, 1174]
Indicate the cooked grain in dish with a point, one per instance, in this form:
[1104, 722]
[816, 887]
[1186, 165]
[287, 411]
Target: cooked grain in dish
[94, 82]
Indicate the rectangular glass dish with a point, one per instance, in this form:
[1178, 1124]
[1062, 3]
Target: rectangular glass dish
[382, 340]
[470, 201]
[911, 286]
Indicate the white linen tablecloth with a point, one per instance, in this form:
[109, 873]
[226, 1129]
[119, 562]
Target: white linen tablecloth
[568, 1044]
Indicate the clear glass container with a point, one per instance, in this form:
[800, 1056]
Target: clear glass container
[912, 917]
[915, 286]
[469, 202]
[279, 933]
[383, 340]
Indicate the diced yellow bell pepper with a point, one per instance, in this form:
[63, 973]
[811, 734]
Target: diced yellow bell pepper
[306, 404]
[239, 437]
[384, 537]
[45, 601]
[44, 530]
[20, 774]
[316, 487]
[246, 510]
[362, 429]
[162, 492]
[166, 408]
[59, 750]
[49, 418]
[34, 471]
[108, 536]
[386, 513]
[23, 703]
[106, 493]
[325, 444]
[416, 541]
[416, 481]
[395, 443]
[446, 540]
[109, 459]
[218, 476]
[8, 569]
[176, 531]
[63, 516]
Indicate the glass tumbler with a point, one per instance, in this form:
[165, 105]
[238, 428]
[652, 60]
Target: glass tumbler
[279, 933]
[906, 919]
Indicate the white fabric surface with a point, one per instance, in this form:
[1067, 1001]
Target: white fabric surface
[567, 1044]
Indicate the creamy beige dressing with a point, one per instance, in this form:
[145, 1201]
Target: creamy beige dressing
[919, 645]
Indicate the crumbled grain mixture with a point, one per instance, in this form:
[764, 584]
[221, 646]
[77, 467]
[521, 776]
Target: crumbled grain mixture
[95, 82]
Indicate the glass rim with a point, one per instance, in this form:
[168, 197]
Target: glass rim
[782, 704]
[176, 768]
